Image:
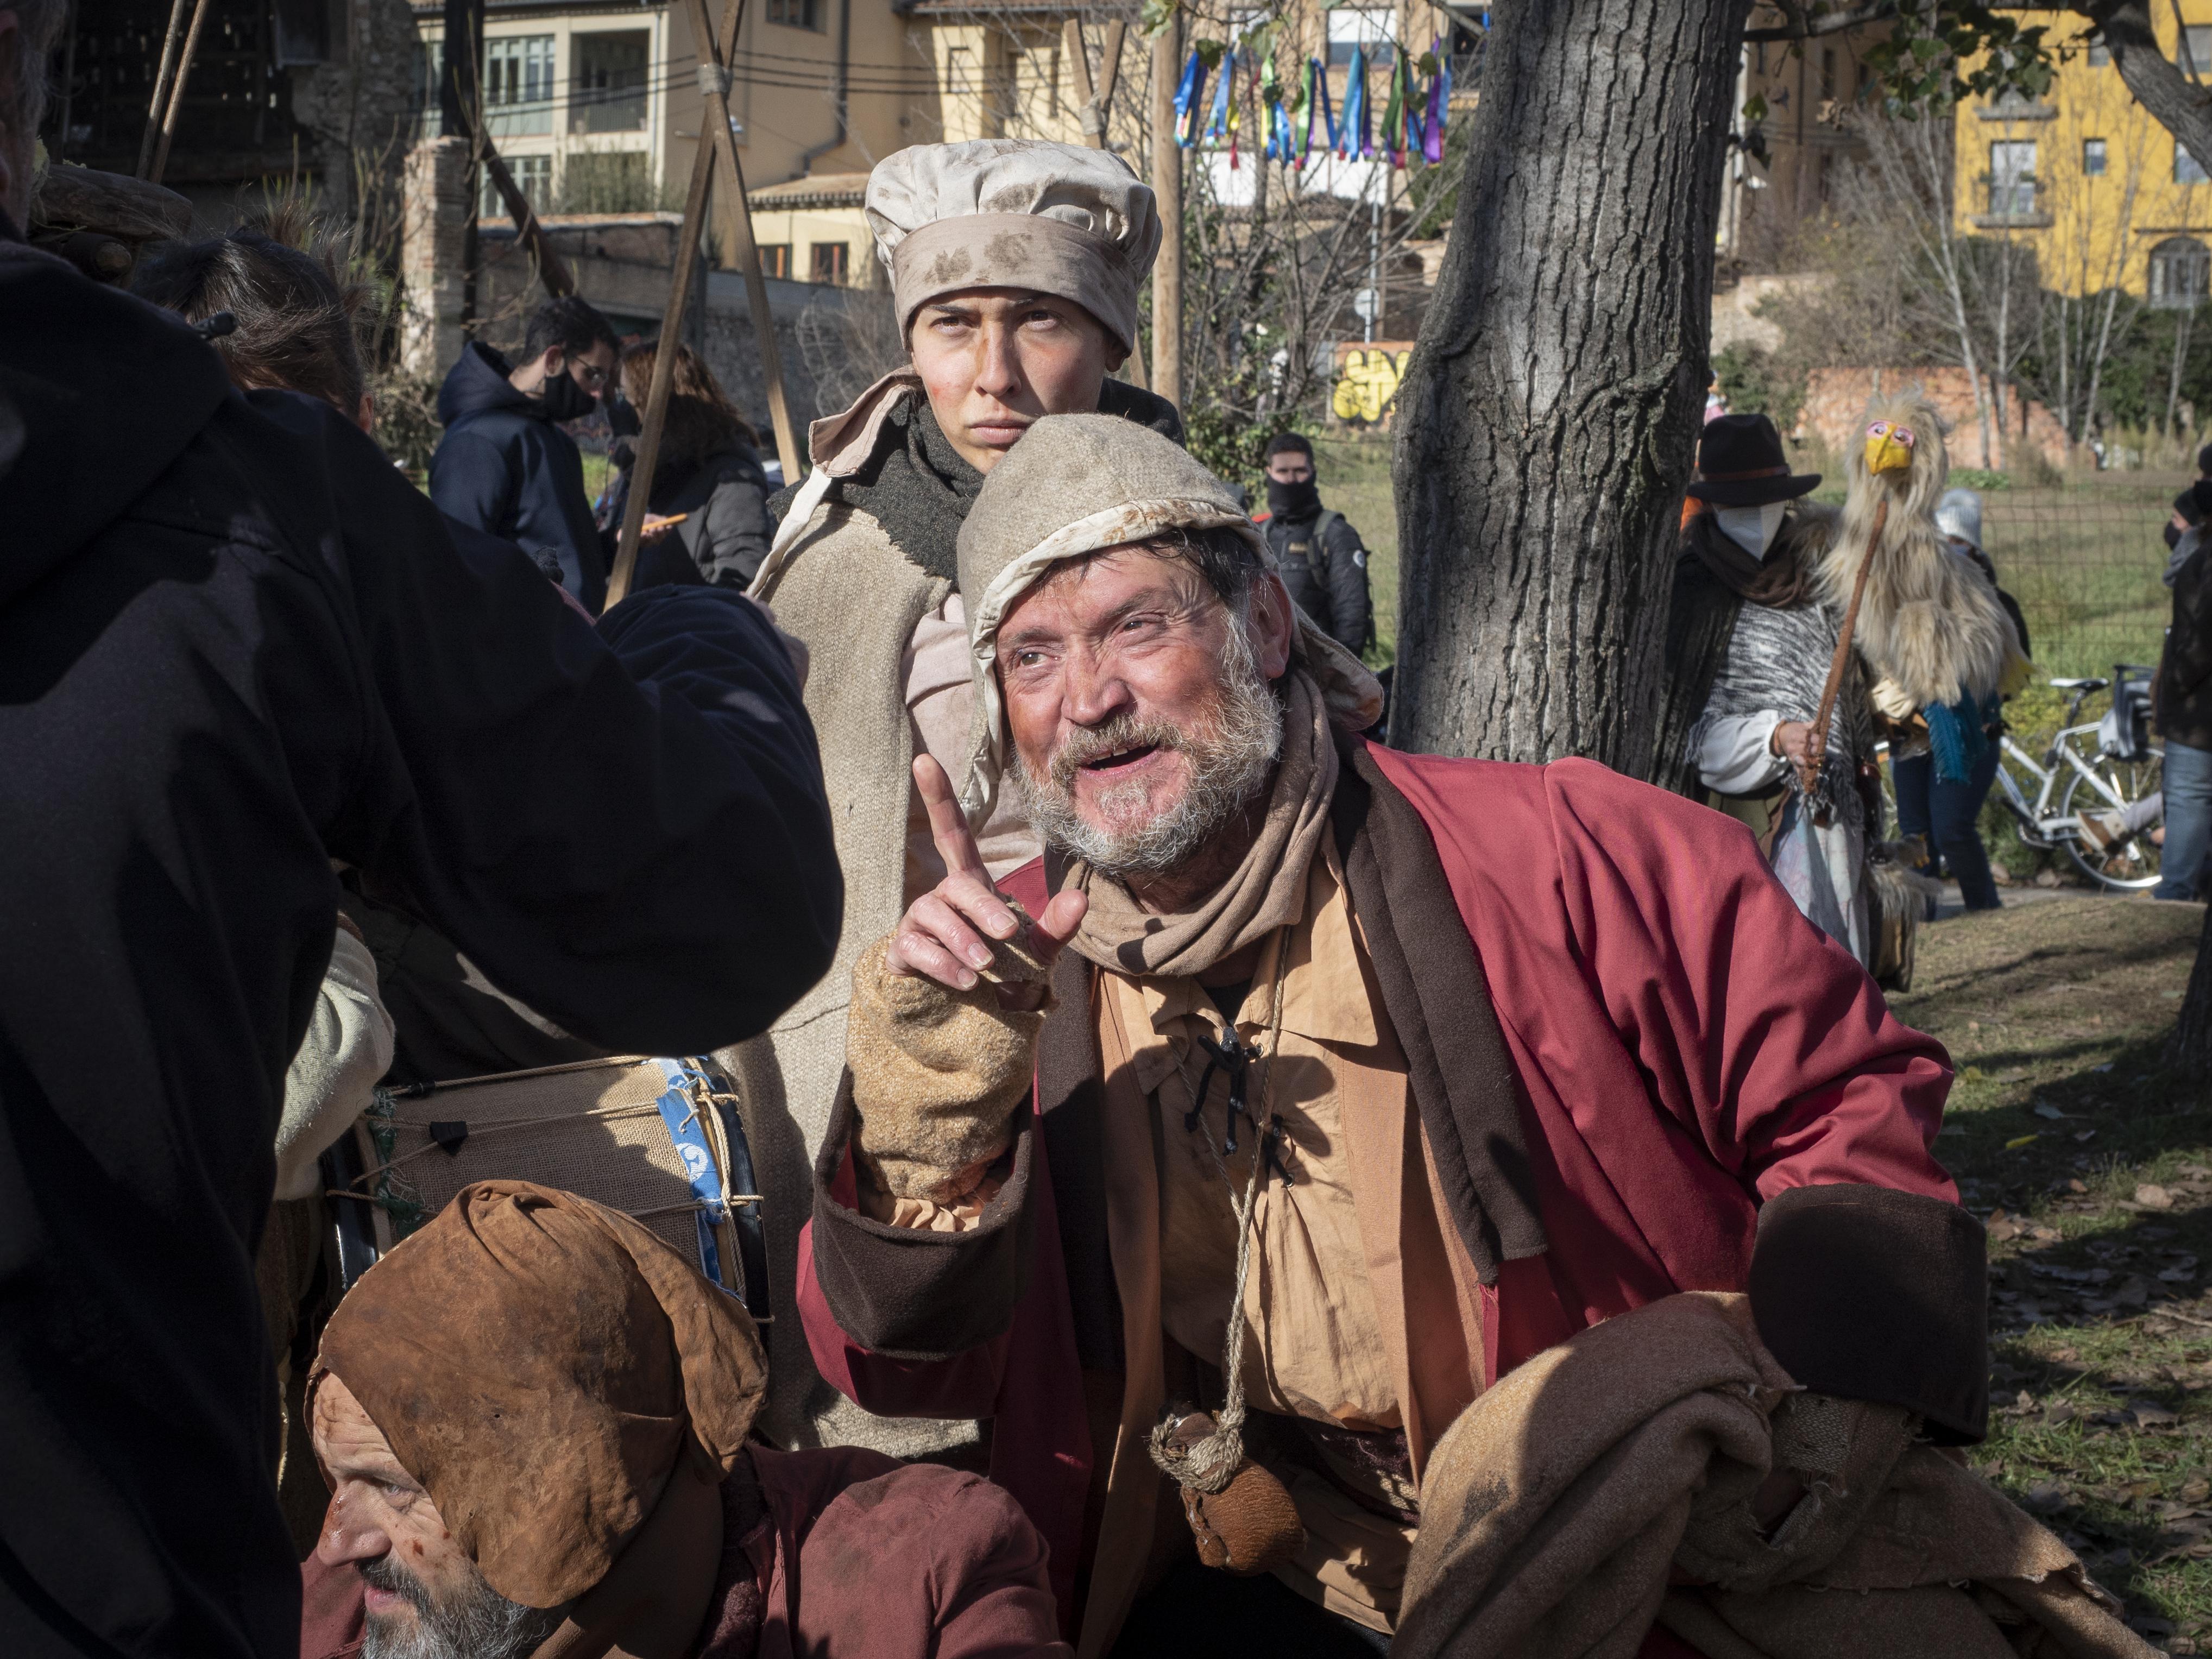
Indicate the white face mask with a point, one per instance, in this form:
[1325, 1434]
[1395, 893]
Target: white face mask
[1752, 528]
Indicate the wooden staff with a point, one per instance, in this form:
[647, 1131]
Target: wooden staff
[1095, 103]
[176, 103]
[1167, 191]
[715, 50]
[169, 41]
[1816, 740]
[552, 269]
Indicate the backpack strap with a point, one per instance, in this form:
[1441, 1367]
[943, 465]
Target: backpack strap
[1328, 520]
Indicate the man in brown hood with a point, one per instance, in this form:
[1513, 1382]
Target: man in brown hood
[534, 1417]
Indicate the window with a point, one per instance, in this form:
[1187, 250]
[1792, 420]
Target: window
[2185, 169]
[1828, 73]
[1762, 58]
[2180, 273]
[519, 85]
[1348, 27]
[795, 13]
[2100, 55]
[2011, 178]
[2093, 157]
[606, 82]
[429, 65]
[2194, 50]
[775, 258]
[828, 262]
[534, 173]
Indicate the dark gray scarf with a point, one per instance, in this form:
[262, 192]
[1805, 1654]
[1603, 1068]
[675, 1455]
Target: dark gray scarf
[919, 488]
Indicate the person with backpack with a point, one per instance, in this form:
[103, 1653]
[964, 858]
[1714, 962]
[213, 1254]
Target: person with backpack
[1323, 561]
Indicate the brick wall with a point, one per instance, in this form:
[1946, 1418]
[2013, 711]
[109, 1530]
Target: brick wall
[1836, 401]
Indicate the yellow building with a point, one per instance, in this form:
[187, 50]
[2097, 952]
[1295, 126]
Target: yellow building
[2086, 176]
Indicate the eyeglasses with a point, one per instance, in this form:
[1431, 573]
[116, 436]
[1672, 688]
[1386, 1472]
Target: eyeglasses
[590, 376]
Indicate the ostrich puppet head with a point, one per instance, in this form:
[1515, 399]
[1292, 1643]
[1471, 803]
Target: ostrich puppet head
[1929, 621]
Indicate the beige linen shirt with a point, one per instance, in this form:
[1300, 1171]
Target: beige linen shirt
[1326, 1301]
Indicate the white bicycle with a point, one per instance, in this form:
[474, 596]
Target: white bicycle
[2080, 773]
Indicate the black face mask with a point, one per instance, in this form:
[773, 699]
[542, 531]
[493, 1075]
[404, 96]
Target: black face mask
[1293, 500]
[2173, 536]
[565, 398]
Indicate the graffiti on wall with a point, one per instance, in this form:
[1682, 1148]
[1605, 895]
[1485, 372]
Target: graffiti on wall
[1367, 376]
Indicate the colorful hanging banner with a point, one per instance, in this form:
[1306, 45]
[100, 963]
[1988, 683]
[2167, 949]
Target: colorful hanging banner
[1394, 111]
[1352, 137]
[1216, 119]
[1432, 140]
[1191, 89]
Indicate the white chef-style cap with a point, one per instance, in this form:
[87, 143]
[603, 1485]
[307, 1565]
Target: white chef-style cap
[1015, 213]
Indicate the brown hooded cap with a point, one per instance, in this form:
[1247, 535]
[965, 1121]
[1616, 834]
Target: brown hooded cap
[538, 1362]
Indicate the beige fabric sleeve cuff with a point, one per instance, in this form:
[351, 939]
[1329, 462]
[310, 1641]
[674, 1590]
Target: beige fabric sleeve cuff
[937, 1075]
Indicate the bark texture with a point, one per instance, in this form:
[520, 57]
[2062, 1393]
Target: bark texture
[2191, 1049]
[2177, 103]
[1549, 416]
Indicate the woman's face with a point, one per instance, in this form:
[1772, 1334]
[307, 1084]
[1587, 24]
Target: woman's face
[993, 360]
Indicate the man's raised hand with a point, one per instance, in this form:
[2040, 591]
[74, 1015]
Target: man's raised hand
[945, 934]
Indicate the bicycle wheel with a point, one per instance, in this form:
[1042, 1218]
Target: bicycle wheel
[2126, 865]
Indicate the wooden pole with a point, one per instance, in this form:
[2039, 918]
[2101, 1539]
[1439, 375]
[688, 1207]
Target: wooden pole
[1086, 103]
[176, 104]
[714, 81]
[1167, 191]
[1109, 73]
[715, 50]
[685, 256]
[552, 269]
[169, 43]
[1816, 740]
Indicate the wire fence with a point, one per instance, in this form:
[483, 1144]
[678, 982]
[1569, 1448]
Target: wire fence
[2086, 561]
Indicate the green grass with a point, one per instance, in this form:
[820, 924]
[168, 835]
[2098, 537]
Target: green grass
[2063, 1115]
[1354, 475]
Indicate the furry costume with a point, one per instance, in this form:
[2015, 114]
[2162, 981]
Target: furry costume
[1929, 622]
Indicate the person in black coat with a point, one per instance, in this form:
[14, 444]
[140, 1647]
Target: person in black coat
[505, 467]
[235, 645]
[1323, 560]
[709, 473]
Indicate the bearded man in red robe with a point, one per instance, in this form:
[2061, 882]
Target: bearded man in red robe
[1304, 1087]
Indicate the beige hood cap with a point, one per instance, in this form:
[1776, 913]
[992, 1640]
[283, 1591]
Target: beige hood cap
[1015, 213]
[1081, 483]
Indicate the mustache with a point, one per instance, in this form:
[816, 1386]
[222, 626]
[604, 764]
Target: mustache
[1124, 731]
[386, 1574]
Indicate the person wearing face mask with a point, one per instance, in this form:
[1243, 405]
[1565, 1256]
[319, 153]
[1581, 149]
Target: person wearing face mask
[505, 467]
[1014, 267]
[1323, 560]
[1748, 646]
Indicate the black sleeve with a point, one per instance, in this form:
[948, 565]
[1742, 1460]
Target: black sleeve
[625, 825]
[905, 1294]
[733, 534]
[1870, 1293]
[1351, 609]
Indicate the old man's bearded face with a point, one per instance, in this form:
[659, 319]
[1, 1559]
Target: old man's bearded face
[1141, 713]
[425, 1598]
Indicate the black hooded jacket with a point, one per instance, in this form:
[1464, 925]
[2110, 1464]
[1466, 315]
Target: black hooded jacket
[1326, 571]
[234, 645]
[504, 468]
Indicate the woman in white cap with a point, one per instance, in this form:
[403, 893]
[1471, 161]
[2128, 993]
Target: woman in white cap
[1015, 266]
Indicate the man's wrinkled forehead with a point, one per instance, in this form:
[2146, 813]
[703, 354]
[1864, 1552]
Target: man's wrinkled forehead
[346, 1438]
[1111, 581]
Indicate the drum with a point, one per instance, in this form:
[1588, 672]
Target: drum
[660, 1139]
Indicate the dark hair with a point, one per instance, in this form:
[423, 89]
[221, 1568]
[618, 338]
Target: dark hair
[1228, 561]
[574, 325]
[285, 280]
[2205, 461]
[1284, 442]
[37, 23]
[700, 417]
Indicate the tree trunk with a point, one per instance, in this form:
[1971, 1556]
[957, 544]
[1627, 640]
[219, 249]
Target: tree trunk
[2177, 103]
[1550, 412]
[2190, 1050]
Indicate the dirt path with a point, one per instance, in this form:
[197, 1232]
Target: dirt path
[2092, 1165]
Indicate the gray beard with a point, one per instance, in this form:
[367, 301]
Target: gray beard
[1233, 752]
[478, 1624]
